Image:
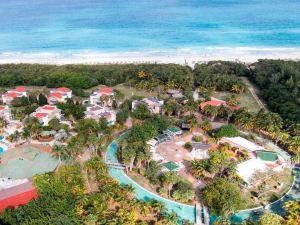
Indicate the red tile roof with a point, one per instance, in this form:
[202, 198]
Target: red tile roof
[48, 107]
[63, 89]
[17, 195]
[212, 103]
[55, 95]
[2, 107]
[106, 90]
[40, 115]
[217, 103]
[11, 95]
[20, 89]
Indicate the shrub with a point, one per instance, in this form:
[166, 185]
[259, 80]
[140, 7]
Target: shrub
[227, 131]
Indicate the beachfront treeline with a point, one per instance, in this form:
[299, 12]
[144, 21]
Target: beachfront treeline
[278, 80]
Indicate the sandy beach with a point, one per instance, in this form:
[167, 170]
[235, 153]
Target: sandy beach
[181, 56]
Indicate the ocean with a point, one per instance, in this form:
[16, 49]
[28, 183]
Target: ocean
[106, 26]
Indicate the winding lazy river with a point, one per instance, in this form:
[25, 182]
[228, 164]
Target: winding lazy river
[188, 212]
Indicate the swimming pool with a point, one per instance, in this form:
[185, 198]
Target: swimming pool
[267, 156]
[188, 212]
[1, 150]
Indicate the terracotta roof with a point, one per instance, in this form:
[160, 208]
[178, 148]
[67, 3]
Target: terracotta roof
[20, 89]
[11, 95]
[2, 107]
[48, 107]
[18, 189]
[55, 95]
[40, 115]
[212, 103]
[106, 90]
[63, 89]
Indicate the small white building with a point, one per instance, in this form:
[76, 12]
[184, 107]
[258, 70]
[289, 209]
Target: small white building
[14, 93]
[199, 150]
[96, 112]
[95, 98]
[5, 112]
[46, 113]
[153, 104]
[59, 95]
[241, 143]
[247, 169]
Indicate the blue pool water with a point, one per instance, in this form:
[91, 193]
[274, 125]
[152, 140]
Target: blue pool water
[1, 150]
[135, 25]
[189, 212]
[185, 211]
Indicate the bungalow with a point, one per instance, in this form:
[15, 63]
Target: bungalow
[217, 103]
[174, 93]
[248, 168]
[46, 113]
[5, 112]
[241, 143]
[153, 104]
[95, 98]
[14, 93]
[16, 193]
[96, 112]
[59, 95]
[199, 150]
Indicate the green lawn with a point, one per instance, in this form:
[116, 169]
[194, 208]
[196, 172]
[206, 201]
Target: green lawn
[129, 92]
[244, 99]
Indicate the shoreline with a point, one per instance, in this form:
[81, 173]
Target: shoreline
[180, 56]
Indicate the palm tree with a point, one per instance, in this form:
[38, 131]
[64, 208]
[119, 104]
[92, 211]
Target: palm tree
[206, 125]
[211, 111]
[170, 218]
[25, 134]
[3, 123]
[59, 152]
[169, 179]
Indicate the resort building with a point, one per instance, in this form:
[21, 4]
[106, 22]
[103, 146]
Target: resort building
[153, 104]
[247, 169]
[14, 93]
[103, 96]
[46, 113]
[174, 93]
[217, 103]
[5, 112]
[59, 95]
[14, 193]
[241, 143]
[96, 112]
[199, 150]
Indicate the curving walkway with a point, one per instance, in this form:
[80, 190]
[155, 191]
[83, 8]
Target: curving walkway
[188, 212]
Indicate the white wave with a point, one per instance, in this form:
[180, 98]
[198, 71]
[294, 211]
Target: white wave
[188, 56]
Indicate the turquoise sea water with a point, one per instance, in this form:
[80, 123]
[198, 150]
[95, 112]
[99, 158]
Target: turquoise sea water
[137, 25]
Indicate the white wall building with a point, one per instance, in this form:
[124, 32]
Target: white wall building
[95, 98]
[153, 104]
[14, 93]
[199, 150]
[46, 113]
[59, 95]
[242, 143]
[96, 112]
[5, 112]
[247, 169]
